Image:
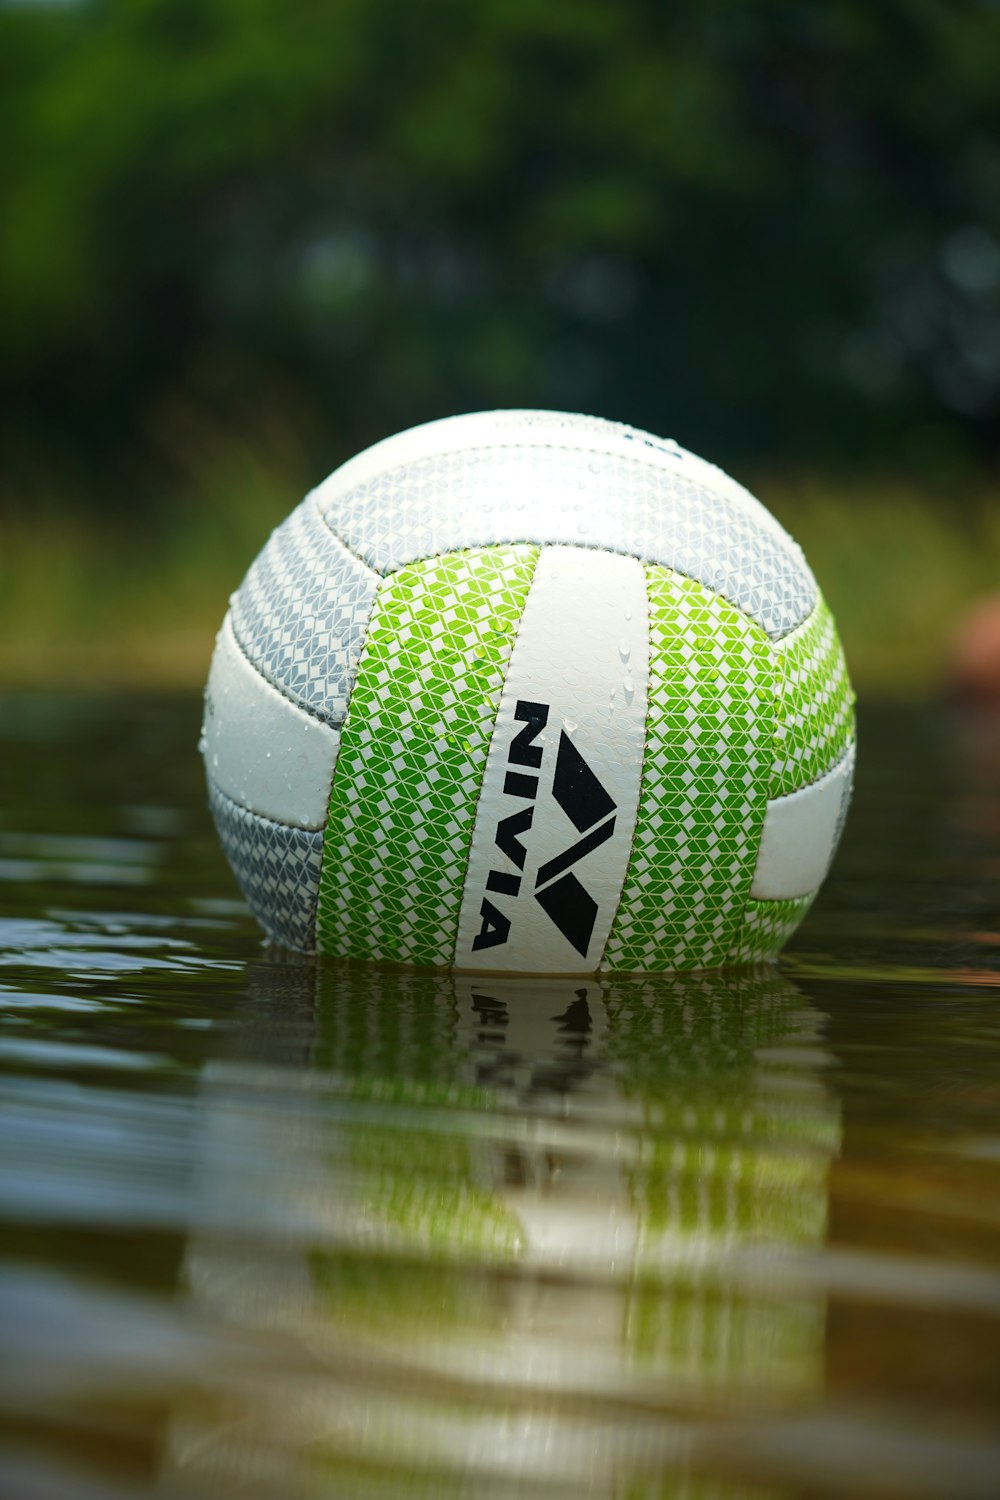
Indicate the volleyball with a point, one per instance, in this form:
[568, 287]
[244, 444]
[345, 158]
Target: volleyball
[529, 692]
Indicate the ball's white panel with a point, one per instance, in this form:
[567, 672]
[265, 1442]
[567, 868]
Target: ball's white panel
[544, 429]
[260, 749]
[800, 835]
[655, 505]
[557, 810]
[302, 612]
[277, 868]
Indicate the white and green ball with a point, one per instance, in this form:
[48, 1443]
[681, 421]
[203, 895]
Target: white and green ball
[531, 692]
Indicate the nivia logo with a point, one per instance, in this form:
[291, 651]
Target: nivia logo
[588, 806]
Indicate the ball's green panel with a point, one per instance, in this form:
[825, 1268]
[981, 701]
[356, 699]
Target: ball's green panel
[766, 927]
[427, 1190]
[388, 1033]
[412, 754]
[707, 766]
[394, 1037]
[815, 721]
[687, 1047]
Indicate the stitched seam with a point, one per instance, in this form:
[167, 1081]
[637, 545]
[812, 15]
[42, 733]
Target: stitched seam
[642, 768]
[790, 639]
[312, 496]
[482, 780]
[217, 792]
[645, 562]
[781, 683]
[823, 776]
[639, 460]
[283, 692]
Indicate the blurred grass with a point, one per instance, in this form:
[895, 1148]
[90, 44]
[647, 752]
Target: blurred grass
[900, 570]
[119, 597]
[90, 601]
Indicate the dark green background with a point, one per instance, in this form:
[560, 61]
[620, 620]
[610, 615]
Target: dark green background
[769, 230]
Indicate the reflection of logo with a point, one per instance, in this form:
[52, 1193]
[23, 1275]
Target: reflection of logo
[588, 806]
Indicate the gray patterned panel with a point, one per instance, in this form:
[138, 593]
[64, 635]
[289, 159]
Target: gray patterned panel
[647, 508]
[276, 867]
[301, 613]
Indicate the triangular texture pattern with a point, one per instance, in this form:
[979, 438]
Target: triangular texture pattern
[302, 611]
[390, 1032]
[709, 747]
[815, 704]
[766, 928]
[276, 867]
[646, 507]
[690, 1045]
[391, 1035]
[413, 752]
[679, 1033]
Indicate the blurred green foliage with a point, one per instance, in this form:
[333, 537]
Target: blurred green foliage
[770, 229]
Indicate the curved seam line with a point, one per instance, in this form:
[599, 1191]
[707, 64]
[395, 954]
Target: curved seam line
[284, 692]
[342, 728]
[739, 925]
[639, 460]
[784, 634]
[216, 791]
[482, 780]
[784, 542]
[817, 780]
[340, 540]
[285, 930]
[800, 629]
[737, 934]
[384, 579]
[645, 562]
[642, 777]
[783, 900]
[782, 653]
[741, 941]
[850, 745]
[809, 895]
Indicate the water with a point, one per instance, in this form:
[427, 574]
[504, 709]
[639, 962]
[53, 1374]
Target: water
[279, 1228]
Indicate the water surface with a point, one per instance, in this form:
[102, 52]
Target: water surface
[273, 1227]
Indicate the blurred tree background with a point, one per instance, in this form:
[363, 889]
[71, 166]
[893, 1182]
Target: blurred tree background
[240, 239]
